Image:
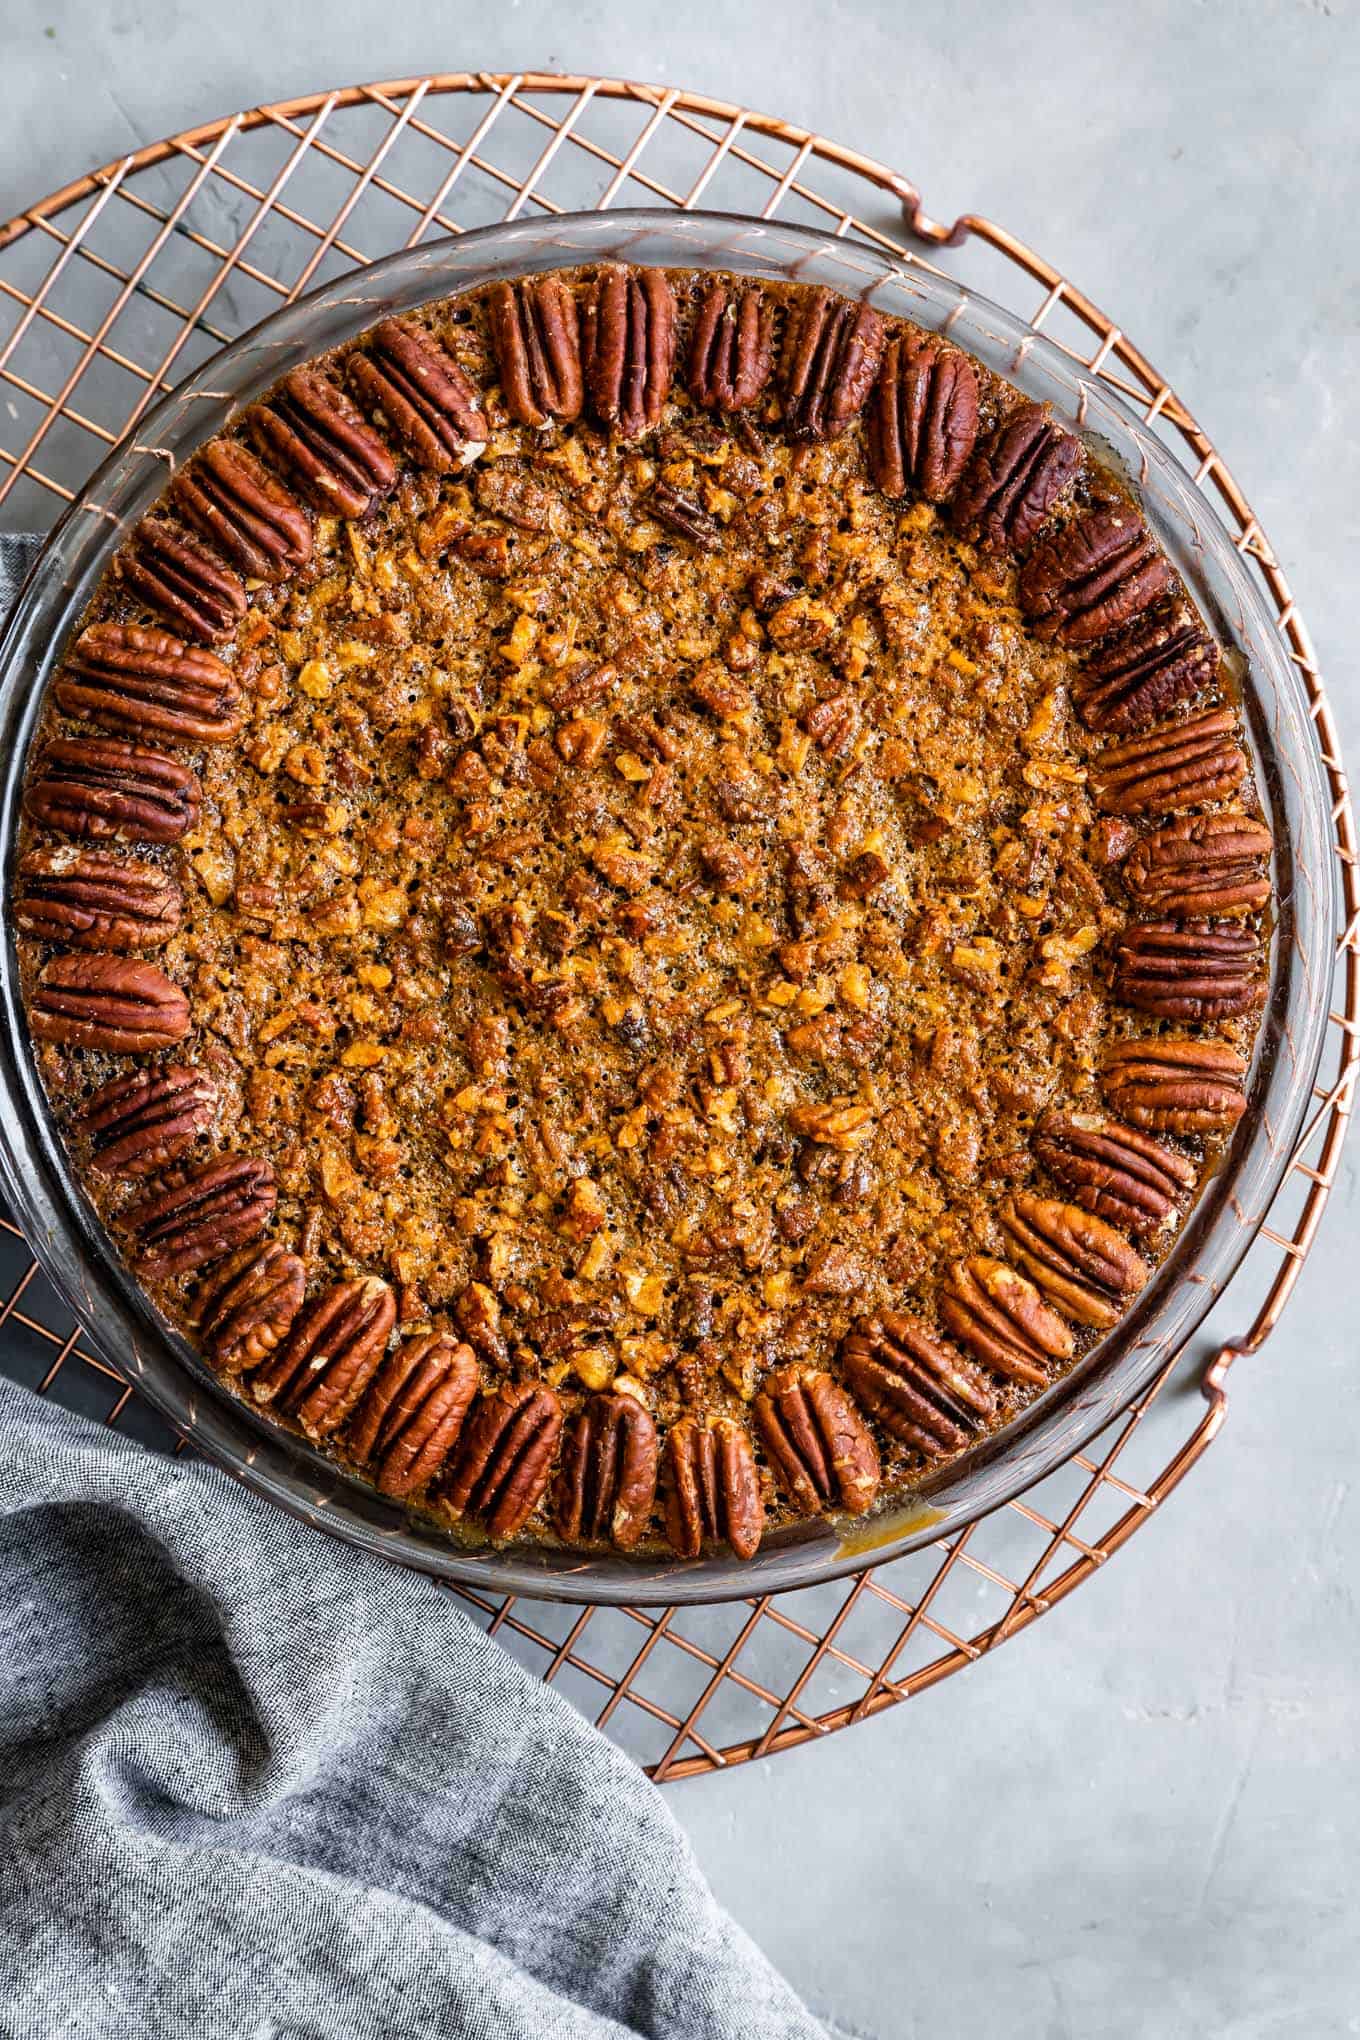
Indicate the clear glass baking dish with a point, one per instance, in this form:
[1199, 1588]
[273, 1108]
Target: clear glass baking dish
[81, 1259]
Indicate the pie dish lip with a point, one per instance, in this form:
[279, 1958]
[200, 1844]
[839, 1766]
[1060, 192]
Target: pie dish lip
[78, 1256]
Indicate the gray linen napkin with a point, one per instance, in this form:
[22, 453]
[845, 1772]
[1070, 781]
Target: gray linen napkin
[253, 1783]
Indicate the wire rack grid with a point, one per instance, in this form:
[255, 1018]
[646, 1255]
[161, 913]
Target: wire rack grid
[114, 287]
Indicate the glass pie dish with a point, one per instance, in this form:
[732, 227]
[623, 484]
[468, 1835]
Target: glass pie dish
[82, 1260]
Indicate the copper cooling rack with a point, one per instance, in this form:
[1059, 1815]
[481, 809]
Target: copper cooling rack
[116, 286]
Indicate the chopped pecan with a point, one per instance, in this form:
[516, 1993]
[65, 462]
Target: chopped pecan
[146, 683]
[536, 331]
[1079, 1262]
[712, 1488]
[515, 498]
[233, 500]
[828, 362]
[330, 1356]
[1002, 1319]
[1157, 662]
[920, 1389]
[832, 724]
[310, 427]
[1189, 970]
[629, 347]
[202, 1214]
[731, 350]
[680, 513]
[1115, 1171]
[409, 1421]
[923, 422]
[1096, 574]
[819, 1445]
[112, 1003]
[138, 1125]
[1013, 480]
[250, 1306]
[1210, 864]
[1176, 1084]
[187, 583]
[422, 395]
[727, 867]
[606, 1484]
[96, 786]
[1177, 766]
[584, 689]
[505, 1458]
[86, 900]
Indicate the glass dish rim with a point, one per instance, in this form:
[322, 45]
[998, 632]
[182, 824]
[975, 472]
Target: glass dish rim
[82, 1263]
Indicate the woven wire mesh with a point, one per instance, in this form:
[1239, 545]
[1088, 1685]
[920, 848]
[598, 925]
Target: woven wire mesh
[114, 288]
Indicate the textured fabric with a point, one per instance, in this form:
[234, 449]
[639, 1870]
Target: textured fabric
[253, 1783]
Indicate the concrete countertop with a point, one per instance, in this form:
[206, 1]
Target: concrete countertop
[1142, 1817]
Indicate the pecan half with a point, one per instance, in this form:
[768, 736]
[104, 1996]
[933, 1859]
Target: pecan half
[250, 1306]
[1002, 1318]
[536, 332]
[89, 901]
[1189, 970]
[149, 684]
[1095, 574]
[1013, 480]
[504, 1458]
[1176, 1084]
[231, 498]
[712, 1488]
[923, 421]
[330, 1356]
[138, 1125]
[818, 1444]
[1210, 864]
[1079, 1262]
[187, 583]
[629, 347]
[95, 786]
[828, 362]
[408, 1422]
[112, 1003]
[920, 1389]
[422, 394]
[1115, 1171]
[1142, 672]
[310, 427]
[606, 1484]
[1177, 766]
[731, 350]
[202, 1214]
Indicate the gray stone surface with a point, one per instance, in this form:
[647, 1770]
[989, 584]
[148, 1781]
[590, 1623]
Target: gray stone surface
[1141, 1818]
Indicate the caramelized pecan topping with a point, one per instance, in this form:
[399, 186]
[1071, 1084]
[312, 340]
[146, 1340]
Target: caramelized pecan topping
[250, 1306]
[629, 348]
[1079, 1262]
[138, 1125]
[1189, 970]
[310, 427]
[1157, 662]
[1181, 765]
[202, 1214]
[828, 362]
[1093, 576]
[408, 1422]
[1212, 864]
[1002, 1318]
[424, 397]
[1013, 480]
[712, 1488]
[1176, 1084]
[606, 1484]
[536, 332]
[505, 1458]
[331, 1355]
[817, 1442]
[680, 513]
[920, 1389]
[1115, 1171]
[94, 786]
[145, 683]
[923, 422]
[112, 1003]
[731, 350]
[187, 583]
[91, 901]
[231, 498]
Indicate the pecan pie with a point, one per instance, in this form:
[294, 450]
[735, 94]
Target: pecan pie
[642, 907]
